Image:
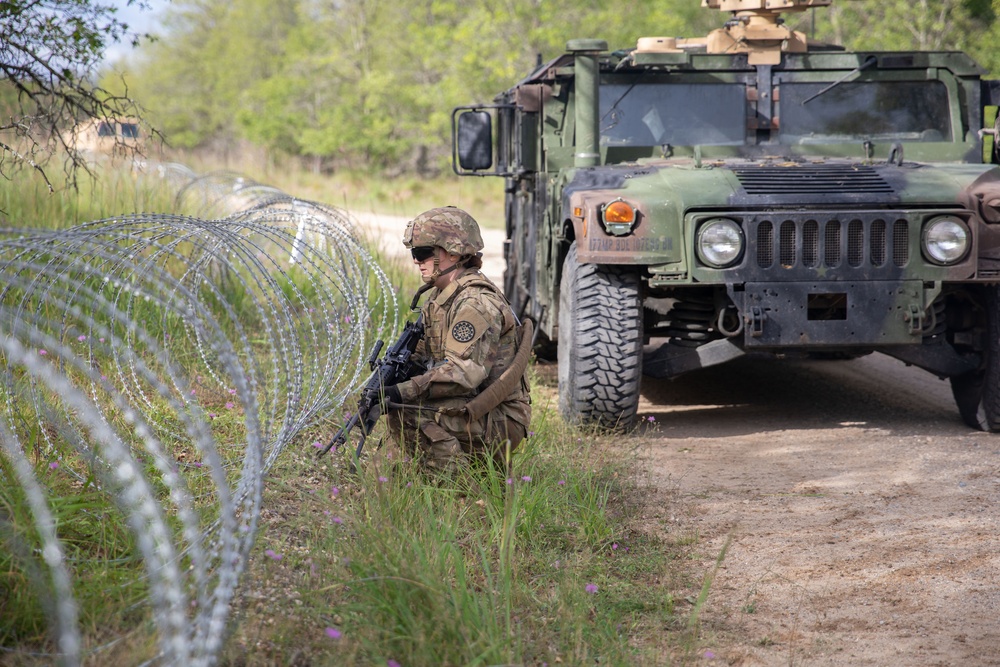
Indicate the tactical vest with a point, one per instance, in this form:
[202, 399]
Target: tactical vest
[441, 337]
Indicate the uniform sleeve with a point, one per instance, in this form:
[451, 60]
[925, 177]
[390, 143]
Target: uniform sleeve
[471, 341]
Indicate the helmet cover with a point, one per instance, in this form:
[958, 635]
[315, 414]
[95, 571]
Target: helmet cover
[447, 227]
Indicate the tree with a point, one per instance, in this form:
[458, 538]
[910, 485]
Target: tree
[50, 51]
[371, 83]
[903, 25]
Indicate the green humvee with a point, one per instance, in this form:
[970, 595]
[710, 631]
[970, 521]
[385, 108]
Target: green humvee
[681, 203]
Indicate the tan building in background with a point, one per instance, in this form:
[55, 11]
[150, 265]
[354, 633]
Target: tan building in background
[112, 137]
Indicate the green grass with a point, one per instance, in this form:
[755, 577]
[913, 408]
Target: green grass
[556, 565]
[403, 196]
[26, 202]
[550, 564]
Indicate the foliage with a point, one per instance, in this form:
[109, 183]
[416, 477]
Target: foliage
[49, 52]
[550, 562]
[371, 83]
[363, 82]
[28, 203]
[558, 564]
[903, 24]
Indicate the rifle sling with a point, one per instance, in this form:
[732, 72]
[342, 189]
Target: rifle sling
[504, 385]
[408, 406]
[494, 394]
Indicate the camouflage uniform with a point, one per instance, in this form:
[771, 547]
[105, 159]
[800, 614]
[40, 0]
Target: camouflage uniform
[470, 338]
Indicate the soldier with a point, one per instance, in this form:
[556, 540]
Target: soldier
[471, 337]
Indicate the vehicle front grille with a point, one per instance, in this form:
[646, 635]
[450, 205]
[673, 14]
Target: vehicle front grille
[811, 179]
[858, 242]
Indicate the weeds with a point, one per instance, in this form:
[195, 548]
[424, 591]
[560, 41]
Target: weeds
[545, 564]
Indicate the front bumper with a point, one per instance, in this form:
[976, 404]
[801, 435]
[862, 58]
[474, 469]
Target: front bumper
[842, 314]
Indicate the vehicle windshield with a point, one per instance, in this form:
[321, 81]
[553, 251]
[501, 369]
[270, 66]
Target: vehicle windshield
[679, 114]
[864, 110]
[656, 113]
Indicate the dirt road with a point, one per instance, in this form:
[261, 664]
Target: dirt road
[386, 232]
[861, 512]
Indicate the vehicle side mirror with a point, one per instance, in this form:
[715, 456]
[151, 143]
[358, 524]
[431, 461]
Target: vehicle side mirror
[474, 140]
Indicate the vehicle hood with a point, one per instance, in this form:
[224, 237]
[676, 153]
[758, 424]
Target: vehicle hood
[684, 185]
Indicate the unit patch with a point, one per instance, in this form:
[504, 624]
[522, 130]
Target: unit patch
[463, 332]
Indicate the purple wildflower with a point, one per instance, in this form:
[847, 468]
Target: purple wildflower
[383, 479]
[53, 465]
[273, 556]
[561, 482]
[81, 338]
[229, 405]
[526, 478]
[590, 588]
[43, 352]
[651, 418]
[337, 520]
[333, 633]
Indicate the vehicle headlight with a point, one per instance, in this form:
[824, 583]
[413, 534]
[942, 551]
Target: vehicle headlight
[719, 243]
[945, 240]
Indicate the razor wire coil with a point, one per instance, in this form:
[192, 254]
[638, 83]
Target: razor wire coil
[163, 362]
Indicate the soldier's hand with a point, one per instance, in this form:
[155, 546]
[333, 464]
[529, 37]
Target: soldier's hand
[390, 394]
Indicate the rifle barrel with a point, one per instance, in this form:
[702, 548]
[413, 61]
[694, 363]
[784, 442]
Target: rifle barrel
[341, 435]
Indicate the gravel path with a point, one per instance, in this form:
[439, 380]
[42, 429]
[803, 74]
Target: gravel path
[387, 232]
[861, 512]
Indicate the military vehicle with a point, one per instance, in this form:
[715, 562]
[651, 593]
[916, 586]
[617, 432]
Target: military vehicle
[681, 203]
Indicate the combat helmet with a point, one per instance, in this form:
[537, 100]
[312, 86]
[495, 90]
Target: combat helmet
[449, 227]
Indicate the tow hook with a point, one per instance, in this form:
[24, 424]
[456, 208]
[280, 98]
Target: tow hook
[756, 321]
[915, 318]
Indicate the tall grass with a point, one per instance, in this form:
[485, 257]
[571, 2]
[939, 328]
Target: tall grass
[26, 201]
[403, 196]
[546, 564]
[549, 562]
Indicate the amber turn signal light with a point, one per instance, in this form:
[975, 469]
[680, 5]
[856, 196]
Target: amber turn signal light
[619, 212]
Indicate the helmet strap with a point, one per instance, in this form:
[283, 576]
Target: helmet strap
[431, 279]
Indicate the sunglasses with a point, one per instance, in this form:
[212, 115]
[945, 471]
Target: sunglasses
[422, 253]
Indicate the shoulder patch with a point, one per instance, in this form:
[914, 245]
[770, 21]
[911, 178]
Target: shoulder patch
[463, 331]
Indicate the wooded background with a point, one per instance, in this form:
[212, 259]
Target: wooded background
[368, 84]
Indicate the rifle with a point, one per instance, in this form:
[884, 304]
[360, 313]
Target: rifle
[391, 369]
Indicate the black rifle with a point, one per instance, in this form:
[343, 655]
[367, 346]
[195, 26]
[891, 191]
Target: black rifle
[393, 368]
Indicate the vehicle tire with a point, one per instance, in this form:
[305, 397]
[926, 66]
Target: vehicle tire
[600, 343]
[977, 394]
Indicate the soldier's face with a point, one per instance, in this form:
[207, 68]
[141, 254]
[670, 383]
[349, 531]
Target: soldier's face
[445, 261]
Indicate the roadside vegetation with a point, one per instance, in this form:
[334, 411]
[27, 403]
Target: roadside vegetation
[554, 561]
[361, 85]
[565, 557]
